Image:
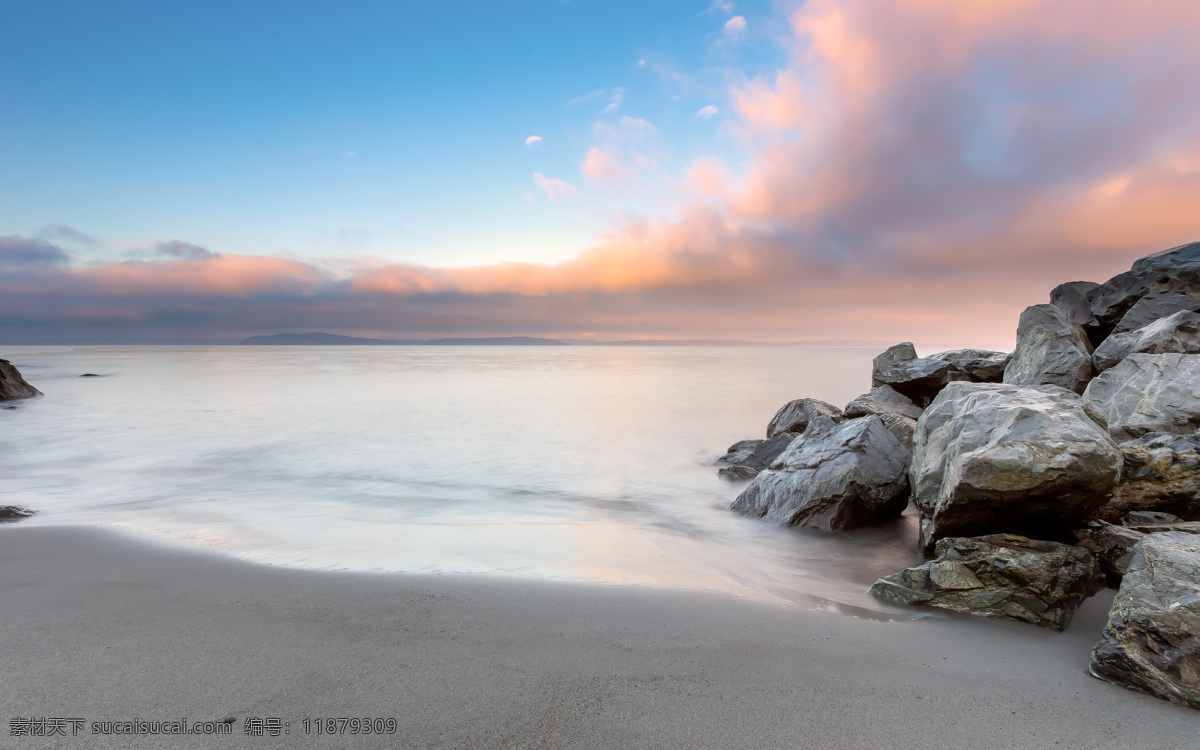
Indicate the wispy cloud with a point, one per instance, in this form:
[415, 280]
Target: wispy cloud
[720, 6]
[706, 112]
[532, 141]
[615, 100]
[182, 250]
[734, 28]
[556, 190]
[22, 252]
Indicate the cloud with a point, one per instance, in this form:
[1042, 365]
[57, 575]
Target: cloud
[182, 250]
[556, 190]
[615, 101]
[588, 96]
[604, 168]
[64, 233]
[720, 6]
[706, 112]
[532, 141]
[734, 27]
[349, 154]
[637, 124]
[21, 252]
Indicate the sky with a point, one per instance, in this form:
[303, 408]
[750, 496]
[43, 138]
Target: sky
[845, 172]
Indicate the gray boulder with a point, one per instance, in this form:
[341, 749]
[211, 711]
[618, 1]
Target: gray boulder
[1051, 350]
[894, 355]
[920, 379]
[993, 457]
[1002, 575]
[1160, 472]
[745, 459]
[12, 385]
[1112, 299]
[835, 476]
[1111, 545]
[982, 365]
[902, 428]
[1152, 641]
[794, 416]
[882, 399]
[1176, 334]
[1072, 299]
[1154, 306]
[1147, 393]
[1182, 263]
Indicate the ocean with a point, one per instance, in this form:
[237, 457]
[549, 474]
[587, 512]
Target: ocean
[591, 464]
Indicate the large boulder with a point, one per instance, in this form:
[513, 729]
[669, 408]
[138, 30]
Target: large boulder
[1112, 299]
[982, 365]
[1154, 306]
[1072, 299]
[993, 457]
[882, 399]
[1161, 472]
[1176, 334]
[794, 416]
[1111, 545]
[1152, 641]
[920, 379]
[892, 356]
[902, 427]
[1001, 575]
[835, 476]
[12, 385]
[745, 459]
[1147, 393]
[1051, 350]
[1182, 263]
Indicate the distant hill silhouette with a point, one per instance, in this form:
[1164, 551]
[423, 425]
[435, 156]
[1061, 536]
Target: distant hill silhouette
[333, 339]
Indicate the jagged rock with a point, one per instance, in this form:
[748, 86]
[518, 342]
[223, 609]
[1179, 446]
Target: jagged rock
[1182, 263]
[920, 379]
[1152, 641]
[1111, 545]
[1002, 575]
[795, 415]
[1147, 393]
[993, 457]
[1175, 334]
[835, 476]
[902, 428]
[1112, 299]
[12, 385]
[883, 399]
[1149, 518]
[1072, 299]
[982, 365]
[1154, 306]
[745, 459]
[894, 355]
[1051, 350]
[10, 513]
[1161, 472]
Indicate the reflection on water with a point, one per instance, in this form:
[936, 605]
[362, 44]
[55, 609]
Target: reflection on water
[580, 463]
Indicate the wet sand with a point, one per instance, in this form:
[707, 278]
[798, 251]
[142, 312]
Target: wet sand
[102, 625]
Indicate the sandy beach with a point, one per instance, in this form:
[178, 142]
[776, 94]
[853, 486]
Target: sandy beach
[102, 625]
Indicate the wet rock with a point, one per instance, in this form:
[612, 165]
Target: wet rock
[834, 477]
[1111, 545]
[10, 513]
[1152, 307]
[12, 385]
[1001, 575]
[894, 355]
[1147, 393]
[1161, 472]
[1051, 350]
[1182, 263]
[883, 399]
[745, 459]
[1175, 334]
[1152, 641]
[1072, 299]
[1112, 299]
[982, 365]
[795, 415]
[991, 457]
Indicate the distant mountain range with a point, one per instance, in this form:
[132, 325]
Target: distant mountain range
[333, 339]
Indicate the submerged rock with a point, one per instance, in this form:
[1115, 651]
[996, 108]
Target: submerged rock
[1161, 472]
[794, 416]
[1051, 350]
[882, 399]
[1152, 641]
[1001, 575]
[834, 477]
[1175, 334]
[745, 459]
[10, 513]
[12, 385]
[1006, 458]
[1147, 393]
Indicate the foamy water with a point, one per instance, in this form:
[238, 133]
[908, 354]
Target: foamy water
[570, 463]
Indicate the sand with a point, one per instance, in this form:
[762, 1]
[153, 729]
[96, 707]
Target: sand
[103, 625]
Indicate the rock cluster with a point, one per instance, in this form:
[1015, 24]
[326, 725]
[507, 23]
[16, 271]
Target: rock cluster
[12, 385]
[1036, 476]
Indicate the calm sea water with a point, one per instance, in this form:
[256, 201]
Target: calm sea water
[571, 463]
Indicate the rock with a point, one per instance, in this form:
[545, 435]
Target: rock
[1154, 306]
[834, 477]
[1002, 575]
[1147, 393]
[883, 399]
[982, 365]
[10, 513]
[1072, 299]
[920, 379]
[89, 375]
[1112, 299]
[1175, 334]
[1111, 545]
[1182, 263]
[795, 415]
[894, 355]
[902, 428]
[745, 459]
[1161, 472]
[991, 457]
[12, 385]
[1149, 518]
[1152, 641]
[1051, 350]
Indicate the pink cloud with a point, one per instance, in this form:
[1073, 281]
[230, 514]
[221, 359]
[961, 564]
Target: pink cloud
[556, 190]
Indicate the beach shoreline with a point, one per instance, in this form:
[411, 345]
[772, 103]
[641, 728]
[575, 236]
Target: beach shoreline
[105, 625]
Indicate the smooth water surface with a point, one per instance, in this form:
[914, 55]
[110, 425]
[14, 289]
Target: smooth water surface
[575, 463]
